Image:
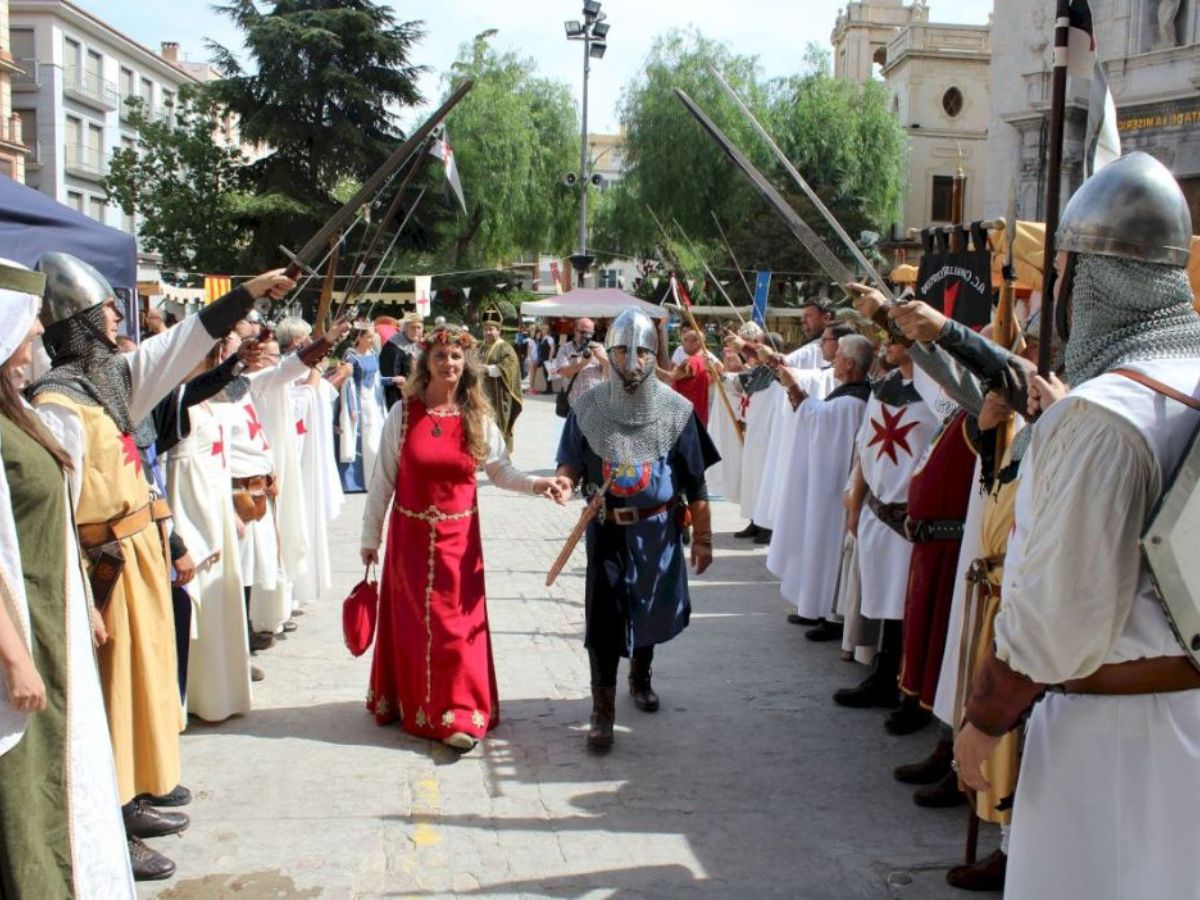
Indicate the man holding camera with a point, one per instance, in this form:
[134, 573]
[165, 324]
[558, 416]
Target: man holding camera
[581, 362]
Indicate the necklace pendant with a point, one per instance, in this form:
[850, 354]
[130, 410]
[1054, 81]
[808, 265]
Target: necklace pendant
[437, 429]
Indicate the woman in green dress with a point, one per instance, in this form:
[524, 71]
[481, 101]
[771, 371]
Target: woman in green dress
[61, 833]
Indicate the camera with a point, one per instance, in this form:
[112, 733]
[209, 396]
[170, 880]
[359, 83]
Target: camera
[587, 354]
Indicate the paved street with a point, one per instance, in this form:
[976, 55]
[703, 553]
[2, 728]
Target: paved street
[748, 782]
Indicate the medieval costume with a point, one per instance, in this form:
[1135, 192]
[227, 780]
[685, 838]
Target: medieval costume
[696, 384]
[725, 478]
[502, 387]
[396, 359]
[638, 442]
[1119, 734]
[360, 422]
[60, 829]
[895, 432]
[314, 401]
[806, 548]
[432, 668]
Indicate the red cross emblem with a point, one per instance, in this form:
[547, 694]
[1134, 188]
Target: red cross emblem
[255, 426]
[950, 299]
[890, 434]
[218, 447]
[132, 456]
[300, 429]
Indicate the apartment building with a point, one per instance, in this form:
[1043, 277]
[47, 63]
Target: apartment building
[12, 147]
[77, 75]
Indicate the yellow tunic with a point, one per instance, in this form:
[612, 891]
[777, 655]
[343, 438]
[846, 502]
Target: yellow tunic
[138, 664]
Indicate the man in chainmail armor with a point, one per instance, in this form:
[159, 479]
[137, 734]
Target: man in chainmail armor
[638, 441]
[1081, 645]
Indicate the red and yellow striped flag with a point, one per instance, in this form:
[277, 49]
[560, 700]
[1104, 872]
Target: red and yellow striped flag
[216, 287]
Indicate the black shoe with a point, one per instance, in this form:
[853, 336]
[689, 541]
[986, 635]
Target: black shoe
[983, 875]
[261, 640]
[180, 796]
[943, 795]
[256, 674]
[604, 715]
[289, 626]
[644, 697]
[931, 769]
[147, 864]
[763, 536]
[908, 719]
[825, 631]
[874, 691]
[797, 619]
[750, 531]
[144, 821]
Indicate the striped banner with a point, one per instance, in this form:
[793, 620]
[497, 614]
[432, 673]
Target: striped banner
[216, 287]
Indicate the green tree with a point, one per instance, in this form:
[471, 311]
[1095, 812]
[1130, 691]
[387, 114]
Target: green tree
[327, 80]
[184, 185]
[514, 137]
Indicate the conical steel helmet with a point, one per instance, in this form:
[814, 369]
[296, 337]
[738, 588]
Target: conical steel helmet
[632, 329]
[72, 287]
[1133, 208]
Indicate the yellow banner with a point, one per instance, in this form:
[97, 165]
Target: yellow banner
[216, 287]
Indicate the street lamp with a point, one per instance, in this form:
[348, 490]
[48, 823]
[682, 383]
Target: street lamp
[593, 33]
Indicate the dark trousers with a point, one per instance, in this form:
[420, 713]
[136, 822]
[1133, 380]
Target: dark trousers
[604, 662]
[182, 605]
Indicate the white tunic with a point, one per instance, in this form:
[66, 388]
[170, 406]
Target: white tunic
[198, 485]
[890, 442]
[760, 422]
[806, 548]
[1106, 800]
[321, 483]
[725, 478]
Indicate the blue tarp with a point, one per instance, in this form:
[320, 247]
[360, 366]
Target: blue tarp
[31, 224]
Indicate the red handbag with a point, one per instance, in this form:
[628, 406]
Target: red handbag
[359, 611]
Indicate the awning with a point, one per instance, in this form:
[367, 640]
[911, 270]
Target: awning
[595, 303]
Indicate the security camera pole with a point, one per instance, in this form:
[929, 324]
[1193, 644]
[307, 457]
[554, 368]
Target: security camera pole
[593, 32]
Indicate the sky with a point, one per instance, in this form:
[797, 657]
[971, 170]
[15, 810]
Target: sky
[776, 31]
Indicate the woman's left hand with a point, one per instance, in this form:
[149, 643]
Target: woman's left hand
[99, 631]
[551, 488]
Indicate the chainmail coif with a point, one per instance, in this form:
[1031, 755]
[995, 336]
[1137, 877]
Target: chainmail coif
[631, 428]
[1124, 310]
[86, 368]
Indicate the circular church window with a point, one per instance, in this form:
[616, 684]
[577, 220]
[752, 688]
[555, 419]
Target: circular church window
[952, 102]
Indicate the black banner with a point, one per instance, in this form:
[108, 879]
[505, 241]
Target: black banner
[958, 285]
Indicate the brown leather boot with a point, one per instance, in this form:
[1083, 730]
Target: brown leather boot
[640, 688]
[982, 875]
[942, 795]
[604, 716]
[931, 769]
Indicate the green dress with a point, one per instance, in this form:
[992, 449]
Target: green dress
[35, 839]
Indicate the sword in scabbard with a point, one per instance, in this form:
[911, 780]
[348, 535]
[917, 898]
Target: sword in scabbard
[585, 519]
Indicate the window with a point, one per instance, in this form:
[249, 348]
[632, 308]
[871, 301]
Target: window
[128, 88]
[942, 206]
[21, 43]
[952, 102]
[72, 58]
[146, 92]
[608, 278]
[29, 130]
[74, 140]
[75, 200]
[96, 208]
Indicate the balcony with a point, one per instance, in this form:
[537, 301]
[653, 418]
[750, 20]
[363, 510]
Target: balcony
[10, 133]
[85, 162]
[29, 78]
[33, 155]
[90, 89]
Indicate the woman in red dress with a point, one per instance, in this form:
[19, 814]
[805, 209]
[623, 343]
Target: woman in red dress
[432, 669]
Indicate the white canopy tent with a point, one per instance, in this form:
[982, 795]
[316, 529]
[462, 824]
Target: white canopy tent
[595, 303]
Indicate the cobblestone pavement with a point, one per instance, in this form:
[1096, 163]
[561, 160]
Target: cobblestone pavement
[748, 782]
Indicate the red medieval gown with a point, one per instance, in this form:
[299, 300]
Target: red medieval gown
[432, 669]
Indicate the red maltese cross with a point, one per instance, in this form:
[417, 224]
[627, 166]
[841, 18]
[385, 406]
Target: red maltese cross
[891, 434]
[255, 425]
[300, 429]
[132, 456]
[218, 447]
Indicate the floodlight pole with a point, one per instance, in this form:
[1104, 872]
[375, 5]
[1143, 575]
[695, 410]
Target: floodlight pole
[582, 255]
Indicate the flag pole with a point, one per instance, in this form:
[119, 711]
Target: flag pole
[1058, 98]
[729, 250]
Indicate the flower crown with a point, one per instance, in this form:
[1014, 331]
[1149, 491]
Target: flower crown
[449, 335]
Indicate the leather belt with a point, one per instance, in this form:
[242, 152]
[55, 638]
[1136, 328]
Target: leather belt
[922, 531]
[1160, 675]
[893, 515]
[97, 534]
[980, 570]
[256, 483]
[629, 515]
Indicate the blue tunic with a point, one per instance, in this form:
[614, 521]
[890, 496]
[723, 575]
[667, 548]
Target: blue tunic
[637, 589]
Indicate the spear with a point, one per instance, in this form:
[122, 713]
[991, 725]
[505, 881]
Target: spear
[729, 250]
[707, 271]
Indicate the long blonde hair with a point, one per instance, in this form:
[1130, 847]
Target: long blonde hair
[476, 411]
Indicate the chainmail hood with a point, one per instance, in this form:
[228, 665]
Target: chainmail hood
[86, 367]
[1125, 310]
[631, 428]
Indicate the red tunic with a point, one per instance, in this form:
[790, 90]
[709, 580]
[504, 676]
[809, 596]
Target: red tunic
[939, 489]
[696, 387]
[432, 669]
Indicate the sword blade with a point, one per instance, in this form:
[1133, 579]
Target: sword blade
[859, 256]
[836, 269]
[415, 143]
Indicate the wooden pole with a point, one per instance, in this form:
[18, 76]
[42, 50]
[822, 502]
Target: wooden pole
[326, 301]
[1058, 98]
[729, 250]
